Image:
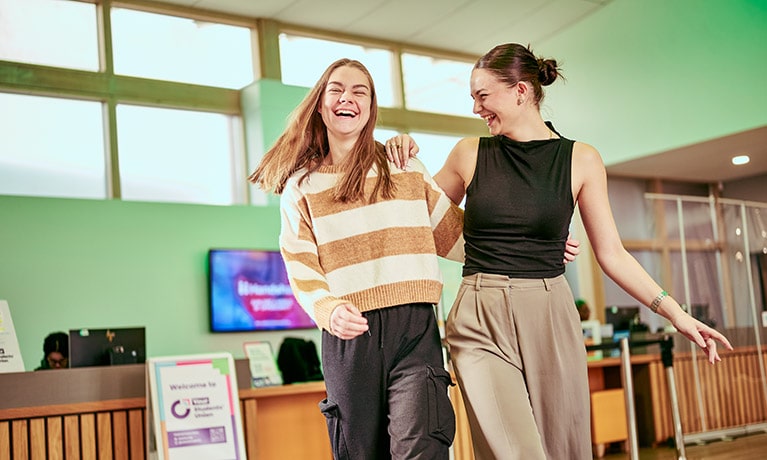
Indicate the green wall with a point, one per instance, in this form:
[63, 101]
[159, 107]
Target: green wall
[647, 76]
[70, 263]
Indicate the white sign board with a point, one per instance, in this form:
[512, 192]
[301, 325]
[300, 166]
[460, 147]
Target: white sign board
[10, 353]
[194, 408]
[263, 367]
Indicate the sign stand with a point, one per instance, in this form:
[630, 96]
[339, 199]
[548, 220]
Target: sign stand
[10, 353]
[193, 408]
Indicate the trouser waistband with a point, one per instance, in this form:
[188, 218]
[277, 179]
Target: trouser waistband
[490, 280]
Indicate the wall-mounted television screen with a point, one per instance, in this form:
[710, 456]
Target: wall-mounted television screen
[249, 291]
[107, 347]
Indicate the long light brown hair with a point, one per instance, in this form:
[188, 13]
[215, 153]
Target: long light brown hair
[304, 144]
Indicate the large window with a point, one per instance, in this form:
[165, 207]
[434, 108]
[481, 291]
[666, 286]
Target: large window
[303, 60]
[437, 85]
[49, 32]
[181, 49]
[176, 156]
[173, 135]
[51, 147]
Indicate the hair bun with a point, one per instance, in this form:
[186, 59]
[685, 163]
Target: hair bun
[547, 71]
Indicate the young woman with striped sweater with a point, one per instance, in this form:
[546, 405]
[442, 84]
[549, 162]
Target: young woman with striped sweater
[360, 240]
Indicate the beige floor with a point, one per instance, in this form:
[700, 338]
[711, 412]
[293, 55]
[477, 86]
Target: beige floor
[752, 447]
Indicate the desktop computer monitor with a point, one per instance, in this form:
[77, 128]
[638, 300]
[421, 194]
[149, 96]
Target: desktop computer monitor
[107, 346]
[621, 317]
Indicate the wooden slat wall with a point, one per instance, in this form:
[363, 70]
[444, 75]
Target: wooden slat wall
[113, 431]
[732, 394]
[731, 391]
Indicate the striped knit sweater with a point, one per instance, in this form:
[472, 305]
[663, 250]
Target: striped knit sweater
[370, 255]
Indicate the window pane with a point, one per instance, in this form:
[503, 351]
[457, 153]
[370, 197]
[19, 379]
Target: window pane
[382, 134]
[180, 49]
[175, 156]
[433, 149]
[633, 217]
[304, 59]
[437, 85]
[49, 32]
[51, 147]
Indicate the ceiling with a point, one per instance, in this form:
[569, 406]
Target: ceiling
[475, 26]
[428, 23]
[707, 162]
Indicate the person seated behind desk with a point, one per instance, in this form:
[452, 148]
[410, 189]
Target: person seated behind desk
[55, 351]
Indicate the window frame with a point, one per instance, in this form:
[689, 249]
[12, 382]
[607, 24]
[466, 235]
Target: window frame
[110, 89]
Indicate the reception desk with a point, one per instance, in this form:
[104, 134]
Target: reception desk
[99, 413]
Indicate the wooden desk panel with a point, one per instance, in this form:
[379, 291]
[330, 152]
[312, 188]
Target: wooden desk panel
[279, 422]
[285, 422]
[86, 431]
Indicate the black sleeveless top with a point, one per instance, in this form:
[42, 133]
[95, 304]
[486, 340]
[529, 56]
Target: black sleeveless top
[518, 208]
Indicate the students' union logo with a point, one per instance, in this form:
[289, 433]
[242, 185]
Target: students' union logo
[180, 408]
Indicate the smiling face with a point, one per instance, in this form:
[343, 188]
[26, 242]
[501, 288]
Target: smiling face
[345, 103]
[494, 101]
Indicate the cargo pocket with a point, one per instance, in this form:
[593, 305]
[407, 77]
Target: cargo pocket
[331, 412]
[441, 415]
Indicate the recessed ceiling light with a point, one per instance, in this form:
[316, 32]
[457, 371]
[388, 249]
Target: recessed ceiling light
[740, 160]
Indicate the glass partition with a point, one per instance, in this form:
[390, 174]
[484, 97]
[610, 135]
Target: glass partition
[716, 251]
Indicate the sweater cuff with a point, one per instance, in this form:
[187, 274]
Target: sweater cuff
[323, 308]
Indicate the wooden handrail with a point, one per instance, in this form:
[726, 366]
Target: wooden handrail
[71, 409]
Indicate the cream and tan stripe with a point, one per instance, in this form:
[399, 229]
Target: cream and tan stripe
[370, 246]
[374, 217]
[373, 255]
[385, 270]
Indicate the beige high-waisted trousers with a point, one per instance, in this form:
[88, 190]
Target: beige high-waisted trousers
[518, 352]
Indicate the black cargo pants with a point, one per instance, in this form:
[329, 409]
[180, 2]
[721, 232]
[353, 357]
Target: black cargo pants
[387, 389]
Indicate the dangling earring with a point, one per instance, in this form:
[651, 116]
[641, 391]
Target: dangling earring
[519, 101]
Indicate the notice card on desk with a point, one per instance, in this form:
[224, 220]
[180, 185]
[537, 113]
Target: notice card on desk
[10, 353]
[194, 408]
[263, 367]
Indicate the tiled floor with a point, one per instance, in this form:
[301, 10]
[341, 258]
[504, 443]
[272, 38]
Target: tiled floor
[752, 447]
